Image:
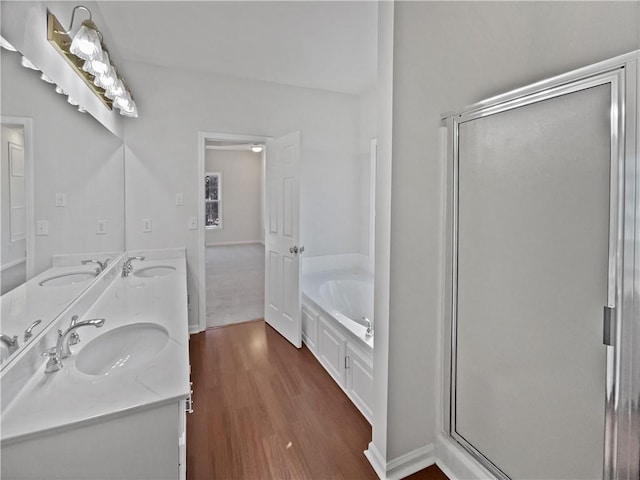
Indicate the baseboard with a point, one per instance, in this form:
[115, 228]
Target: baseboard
[402, 466]
[226, 244]
[194, 329]
[457, 464]
[376, 461]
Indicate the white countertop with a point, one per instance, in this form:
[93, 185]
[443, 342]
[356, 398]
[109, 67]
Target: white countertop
[32, 301]
[69, 397]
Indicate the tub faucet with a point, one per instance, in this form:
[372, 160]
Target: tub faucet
[101, 265]
[62, 350]
[369, 325]
[127, 268]
[11, 343]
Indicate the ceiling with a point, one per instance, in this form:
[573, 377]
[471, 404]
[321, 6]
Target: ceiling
[329, 45]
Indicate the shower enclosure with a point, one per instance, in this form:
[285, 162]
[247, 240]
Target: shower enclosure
[543, 279]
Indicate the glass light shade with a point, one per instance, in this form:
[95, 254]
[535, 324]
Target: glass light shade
[256, 148]
[115, 90]
[130, 111]
[46, 79]
[6, 45]
[123, 101]
[26, 63]
[106, 80]
[72, 102]
[86, 43]
[99, 66]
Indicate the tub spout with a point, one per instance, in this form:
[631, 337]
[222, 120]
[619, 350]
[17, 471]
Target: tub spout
[369, 325]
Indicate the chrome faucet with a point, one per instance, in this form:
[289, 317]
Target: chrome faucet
[101, 265]
[127, 268]
[62, 350]
[11, 343]
[28, 333]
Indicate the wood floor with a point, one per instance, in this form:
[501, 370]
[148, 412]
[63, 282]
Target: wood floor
[266, 410]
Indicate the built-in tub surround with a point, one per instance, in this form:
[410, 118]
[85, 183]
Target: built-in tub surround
[345, 296]
[143, 366]
[338, 322]
[46, 296]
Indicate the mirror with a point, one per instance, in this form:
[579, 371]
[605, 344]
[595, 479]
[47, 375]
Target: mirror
[62, 187]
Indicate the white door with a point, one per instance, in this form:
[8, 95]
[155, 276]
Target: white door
[282, 247]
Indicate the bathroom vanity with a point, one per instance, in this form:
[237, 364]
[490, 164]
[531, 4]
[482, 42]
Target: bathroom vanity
[117, 408]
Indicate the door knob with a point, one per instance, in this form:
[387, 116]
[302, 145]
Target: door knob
[293, 249]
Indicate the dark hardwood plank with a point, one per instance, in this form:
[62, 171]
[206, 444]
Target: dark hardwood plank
[266, 410]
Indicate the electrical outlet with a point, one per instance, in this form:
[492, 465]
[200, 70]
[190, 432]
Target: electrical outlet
[179, 199]
[101, 227]
[42, 227]
[193, 223]
[61, 199]
[146, 225]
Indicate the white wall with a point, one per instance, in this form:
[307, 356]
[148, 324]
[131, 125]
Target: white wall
[72, 154]
[447, 55]
[162, 154]
[241, 195]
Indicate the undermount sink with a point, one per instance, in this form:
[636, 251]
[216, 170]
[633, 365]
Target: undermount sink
[123, 347]
[154, 271]
[67, 279]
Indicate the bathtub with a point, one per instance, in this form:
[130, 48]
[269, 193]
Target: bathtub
[346, 297]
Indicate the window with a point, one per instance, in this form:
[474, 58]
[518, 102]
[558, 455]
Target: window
[212, 200]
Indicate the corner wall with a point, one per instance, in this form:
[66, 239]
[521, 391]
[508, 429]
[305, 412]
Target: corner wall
[447, 55]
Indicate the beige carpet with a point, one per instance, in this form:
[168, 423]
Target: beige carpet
[235, 284]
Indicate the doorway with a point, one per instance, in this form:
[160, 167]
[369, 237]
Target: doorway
[232, 214]
[16, 177]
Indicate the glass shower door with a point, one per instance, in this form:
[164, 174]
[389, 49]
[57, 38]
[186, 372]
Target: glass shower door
[533, 258]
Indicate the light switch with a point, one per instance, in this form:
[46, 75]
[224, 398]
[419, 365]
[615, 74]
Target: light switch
[101, 227]
[193, 223]
[61, 199]
[146, 225]
[179, 199]
[42, 227]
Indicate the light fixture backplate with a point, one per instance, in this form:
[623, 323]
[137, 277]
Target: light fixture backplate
[62, 43]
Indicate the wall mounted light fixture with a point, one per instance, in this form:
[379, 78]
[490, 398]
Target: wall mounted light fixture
[87, 55]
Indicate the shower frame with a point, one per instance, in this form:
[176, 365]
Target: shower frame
[622, 403]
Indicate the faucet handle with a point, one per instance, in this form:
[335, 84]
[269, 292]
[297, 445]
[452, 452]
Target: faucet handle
[54, 363]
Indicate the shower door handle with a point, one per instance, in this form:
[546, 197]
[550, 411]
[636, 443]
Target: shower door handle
[609, 330]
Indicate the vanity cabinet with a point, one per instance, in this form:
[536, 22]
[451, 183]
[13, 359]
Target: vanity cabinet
[145, 444]
[310, 328]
